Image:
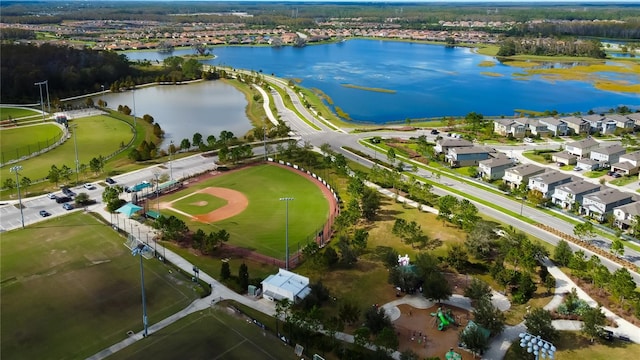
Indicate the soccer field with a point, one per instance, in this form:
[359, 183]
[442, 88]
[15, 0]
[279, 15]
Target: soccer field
[209, 334]
[70, 288]
[261, 226]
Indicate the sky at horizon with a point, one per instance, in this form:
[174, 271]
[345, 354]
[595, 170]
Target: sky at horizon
[582, 2]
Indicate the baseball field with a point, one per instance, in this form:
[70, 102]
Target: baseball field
[70, 288]
[247, 204]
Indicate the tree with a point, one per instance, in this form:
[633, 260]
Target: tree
[185, 144]
[9, 183]
[65, 172]
[360, 239]
[617, 247]
[593, 321]
[538, 323]
[474, 340]
[584, 230]
[376, 319]
[457, 256]
[361, 336]
[82, 199]
[330, 256]
[622, 284]
[478, 290]
[480, 240]
[243, 277]
[54, 175]
[96, 164]
[197, 139]
[225, 271]
[370, 203]
[111, 193]
[349, 312]
[563, 253]
[436, 287]
[446, 207]
[391, 155]
[387, 338]
[488, 316]
[25, 182]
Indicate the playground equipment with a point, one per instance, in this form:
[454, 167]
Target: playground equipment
[446, 318]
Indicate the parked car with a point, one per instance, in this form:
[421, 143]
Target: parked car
[109, 181]
[435, 132]
[62, 199]
[68, 192]
[89, 186]
[616, 175]
[44, 213]
[51, 196]
[528, 140]
[577, 168]
[67, 206]
[610, 173]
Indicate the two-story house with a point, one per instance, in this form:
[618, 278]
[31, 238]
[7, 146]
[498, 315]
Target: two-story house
[521, 174]
[627, 164]
[468, 156]
[635, 117]
[582, 148]
[577, 125]
[626, 216]
[505, 127]
[609, 154]
[621, 121]
[564, 157]
[494, 168]
[548, 181]
[600, 124]
[556, 127]
[443, 145]
[536, 127]
[568, 194]
[598, 204]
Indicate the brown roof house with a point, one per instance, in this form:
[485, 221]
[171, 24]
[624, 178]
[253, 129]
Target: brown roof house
[577, 125]
[548, 181]
[494, 168]
[628, 164]
[598, 204]
[520, 174]
[564, 157]
[568, 194]
[582, 148]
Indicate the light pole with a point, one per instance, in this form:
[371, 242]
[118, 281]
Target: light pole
[39, 84]
[75, 145]
[133, 93]
[170, 162]
[541, 348]
[156, 174]
[137, 251]
[15, 169]
[102, 86]
[286, 230]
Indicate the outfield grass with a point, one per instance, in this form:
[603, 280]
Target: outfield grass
[16, 113]
[262, 225]
[22, 141]
[199, 203]
[209, 334]
[97, 135]
[70, 288]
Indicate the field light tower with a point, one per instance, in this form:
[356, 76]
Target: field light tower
[535, 345]
[286, 230]
[138, 251]
[15, 169]
[39, 84]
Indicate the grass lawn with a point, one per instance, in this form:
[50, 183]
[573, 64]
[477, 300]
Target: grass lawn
[16, 113]
[97, 135]
[199, 203]
[575, 346]
[70, 288]
[209, 334]
[262, 225]
[22, 141]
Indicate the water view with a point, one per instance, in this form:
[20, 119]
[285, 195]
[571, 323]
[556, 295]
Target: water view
[204, 107]
[420, 80]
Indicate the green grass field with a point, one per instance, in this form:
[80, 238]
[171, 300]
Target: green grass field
[262, 225]
[199, 203]
[209, 334]
[16, 113]
[97, 135]
[21, 141]
[70, 288]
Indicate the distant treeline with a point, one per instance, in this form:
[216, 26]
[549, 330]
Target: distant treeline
[552, 47]
[73, 72]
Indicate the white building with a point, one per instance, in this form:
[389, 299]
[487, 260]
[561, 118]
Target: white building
[285, 284]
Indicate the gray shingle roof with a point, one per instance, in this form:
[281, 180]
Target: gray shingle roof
[608, 196]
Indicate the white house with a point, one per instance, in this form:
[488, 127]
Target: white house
[582, 148]
[596, 205]
[521, 174]
[609, 154]
[567, 194]
[626, 215]
[548, 181]
[285, 285]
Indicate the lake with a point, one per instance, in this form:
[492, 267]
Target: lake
[182, 110]
[424, 81]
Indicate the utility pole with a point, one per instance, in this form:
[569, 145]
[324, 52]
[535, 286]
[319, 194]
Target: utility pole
[137, 251]
[286, 233]
[15, 169]
[39, 84]
[75, 145]
[170, 162]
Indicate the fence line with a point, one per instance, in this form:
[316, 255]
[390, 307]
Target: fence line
[41, 146]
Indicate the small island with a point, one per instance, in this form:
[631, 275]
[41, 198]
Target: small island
[389, 91]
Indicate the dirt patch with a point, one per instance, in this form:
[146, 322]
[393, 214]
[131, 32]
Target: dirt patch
[418, 330]
[236, 203]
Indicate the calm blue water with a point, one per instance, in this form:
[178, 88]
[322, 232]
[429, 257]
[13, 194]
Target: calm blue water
[429, 80]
